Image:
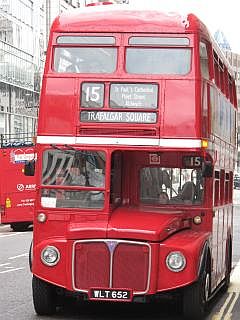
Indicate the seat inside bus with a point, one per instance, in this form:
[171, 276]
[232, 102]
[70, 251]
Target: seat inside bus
[188, 191]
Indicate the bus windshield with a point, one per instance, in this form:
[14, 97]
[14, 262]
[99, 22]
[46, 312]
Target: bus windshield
[81, 169]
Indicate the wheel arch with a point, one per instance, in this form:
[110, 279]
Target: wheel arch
[30, 255]
[205, 258]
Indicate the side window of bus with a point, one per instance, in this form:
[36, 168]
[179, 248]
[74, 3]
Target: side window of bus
[222, 187]
[227, 188]
[204, 64]
[217, 189]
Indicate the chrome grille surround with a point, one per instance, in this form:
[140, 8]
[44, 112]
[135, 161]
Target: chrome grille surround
[112, 244]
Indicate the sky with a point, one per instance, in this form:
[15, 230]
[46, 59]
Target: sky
[216, 14]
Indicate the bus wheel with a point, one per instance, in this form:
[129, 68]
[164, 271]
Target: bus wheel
[30, 256]
[195, 297]
[228, 265]
[19, 226]
[44, 297]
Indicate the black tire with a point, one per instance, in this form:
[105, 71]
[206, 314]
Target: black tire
[30, 257]
[228, 265]
[44, 297]
[195, 297]
[20, 226]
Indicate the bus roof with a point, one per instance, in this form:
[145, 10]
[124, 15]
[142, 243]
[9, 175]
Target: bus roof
[113, 18]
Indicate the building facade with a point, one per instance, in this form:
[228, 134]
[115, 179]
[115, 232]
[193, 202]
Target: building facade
[24, 31]
[19, 84]
[24, 26]
[52, 8]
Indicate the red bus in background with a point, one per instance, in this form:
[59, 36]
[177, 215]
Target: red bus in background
[136, 149]
[17, 191]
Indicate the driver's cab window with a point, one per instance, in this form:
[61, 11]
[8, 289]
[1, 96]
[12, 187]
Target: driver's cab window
[73, 178]
[159, 185]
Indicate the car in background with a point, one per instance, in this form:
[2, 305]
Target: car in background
[236, 181]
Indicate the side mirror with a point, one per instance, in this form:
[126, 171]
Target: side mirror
[207, 169]
[29, 168]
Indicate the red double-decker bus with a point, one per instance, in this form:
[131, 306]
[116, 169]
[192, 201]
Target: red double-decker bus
[136, 151]
[17, 191]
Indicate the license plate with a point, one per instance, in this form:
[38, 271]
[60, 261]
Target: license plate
[110, 294]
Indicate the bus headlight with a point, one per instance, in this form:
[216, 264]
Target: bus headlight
[41, 217]
[176, 261]
[50, 256]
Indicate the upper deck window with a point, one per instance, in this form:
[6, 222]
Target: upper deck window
[85, 59]
[159, 41]
[85, 40]
[175, 61]
[204, 60]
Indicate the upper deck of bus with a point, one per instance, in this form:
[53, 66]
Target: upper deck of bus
[119, 19]
[179, 98]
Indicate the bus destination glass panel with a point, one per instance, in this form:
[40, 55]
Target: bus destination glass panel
[140, 96]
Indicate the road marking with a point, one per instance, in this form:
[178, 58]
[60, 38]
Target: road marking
[6, 226]
[19, 256]
[14, 234]
[225, 312]
[10, 270]
[228, 315]
[218, 316]
[8, 235]
[235, 279]
[4, 264]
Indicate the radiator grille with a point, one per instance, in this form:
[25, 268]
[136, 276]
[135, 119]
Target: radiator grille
[111, 264]
[91, 265]
[130, 267]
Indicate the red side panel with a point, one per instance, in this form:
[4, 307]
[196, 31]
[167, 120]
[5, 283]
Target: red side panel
[180, 113]
[57, 109]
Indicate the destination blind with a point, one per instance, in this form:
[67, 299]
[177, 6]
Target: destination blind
[118, 116]
[138, 95]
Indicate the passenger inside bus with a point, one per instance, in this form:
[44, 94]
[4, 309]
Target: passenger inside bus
[186, 194]
[163, 198]
[171, 186]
